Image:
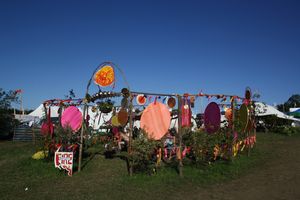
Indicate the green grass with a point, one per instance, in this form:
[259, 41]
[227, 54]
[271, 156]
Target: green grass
[107, 178]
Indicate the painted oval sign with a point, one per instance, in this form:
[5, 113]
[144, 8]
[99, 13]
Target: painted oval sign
[71, 117]
[212, 118]
[155, 120]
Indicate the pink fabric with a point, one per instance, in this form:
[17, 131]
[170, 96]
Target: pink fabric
[47, 128]
[186, 115]
[246, 102]
[166, 152]
[184, 152]
[115, 130]
[72, 117]
[235, 136]
[156, 120]
[212, 118]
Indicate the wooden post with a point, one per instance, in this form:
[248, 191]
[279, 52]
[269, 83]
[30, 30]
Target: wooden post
[81, 137]
[233, 115]
[232, 125]
[250, 127]
[180, 164]
[21, 105]
[130, 170]
[33, 135]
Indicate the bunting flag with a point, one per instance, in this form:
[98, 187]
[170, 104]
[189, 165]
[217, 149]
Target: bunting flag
[232, 99]
[224, 99]
[18, 91]
[193, 99]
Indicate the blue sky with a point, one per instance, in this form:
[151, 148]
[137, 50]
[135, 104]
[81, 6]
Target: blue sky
[50, 47]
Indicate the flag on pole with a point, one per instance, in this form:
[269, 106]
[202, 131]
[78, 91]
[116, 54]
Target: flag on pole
[18, 91]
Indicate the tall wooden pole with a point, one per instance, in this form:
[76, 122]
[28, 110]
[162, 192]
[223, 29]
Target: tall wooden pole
[83, 122]
[81, 138]
[232, 125]
[130, 135]
[250, 126]
[21, 99]
[180, 164]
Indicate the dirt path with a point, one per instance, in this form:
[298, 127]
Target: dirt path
[278, 178]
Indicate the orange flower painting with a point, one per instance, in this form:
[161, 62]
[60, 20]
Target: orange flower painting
[105, 76]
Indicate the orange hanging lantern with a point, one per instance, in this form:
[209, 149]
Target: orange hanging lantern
[228, 114]
[105, 76]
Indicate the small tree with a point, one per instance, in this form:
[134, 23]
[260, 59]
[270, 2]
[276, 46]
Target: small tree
[293, 101]
[7, 120]
[6, 98]
[71, 94]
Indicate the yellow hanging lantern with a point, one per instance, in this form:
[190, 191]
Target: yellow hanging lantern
[105, 76]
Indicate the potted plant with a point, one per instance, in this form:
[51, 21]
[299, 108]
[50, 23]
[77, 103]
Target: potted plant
[106, 106]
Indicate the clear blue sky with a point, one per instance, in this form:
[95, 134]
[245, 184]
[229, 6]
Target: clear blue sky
[50, 47]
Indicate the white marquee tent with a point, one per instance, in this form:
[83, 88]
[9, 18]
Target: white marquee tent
[96, 119]
[262, 109]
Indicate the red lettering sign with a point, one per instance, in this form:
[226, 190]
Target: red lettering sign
[64, 160]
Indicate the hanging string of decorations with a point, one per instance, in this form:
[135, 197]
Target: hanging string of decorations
[63, 102]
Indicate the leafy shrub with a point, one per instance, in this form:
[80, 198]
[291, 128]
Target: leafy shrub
[286, 130]
[7, 124]
[143, 154]
[105, 106]
[203, 145]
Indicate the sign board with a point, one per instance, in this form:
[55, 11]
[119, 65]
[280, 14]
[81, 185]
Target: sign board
[64, 160]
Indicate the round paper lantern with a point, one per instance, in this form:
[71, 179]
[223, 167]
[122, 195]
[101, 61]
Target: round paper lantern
[212, 118]
[156, 120]
[105, 76]
[122, 117]
[47, 128]
[171, 102]
[141, 99]
[71, 117]
[243, 117]
[228, 114]
[115, 121]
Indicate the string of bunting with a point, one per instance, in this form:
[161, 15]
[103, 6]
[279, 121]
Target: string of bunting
[62, 102]
[193, 97]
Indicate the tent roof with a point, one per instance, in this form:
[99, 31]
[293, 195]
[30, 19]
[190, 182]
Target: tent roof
[95, 118]
[262, 109]
[39, 111]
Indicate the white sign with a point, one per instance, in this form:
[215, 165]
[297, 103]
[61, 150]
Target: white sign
[64, 160]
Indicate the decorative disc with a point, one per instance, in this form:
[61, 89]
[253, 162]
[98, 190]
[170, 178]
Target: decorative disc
[212, 118]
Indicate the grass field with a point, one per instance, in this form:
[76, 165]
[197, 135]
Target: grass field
[25, 178]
